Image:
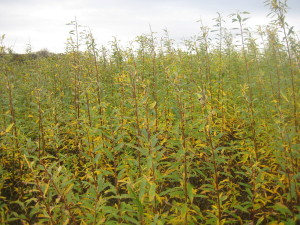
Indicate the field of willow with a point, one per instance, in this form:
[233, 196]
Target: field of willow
[152, 133]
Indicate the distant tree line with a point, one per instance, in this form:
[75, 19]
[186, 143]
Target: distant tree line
[17, 57]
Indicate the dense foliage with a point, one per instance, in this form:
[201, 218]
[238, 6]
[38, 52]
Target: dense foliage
[153, 134]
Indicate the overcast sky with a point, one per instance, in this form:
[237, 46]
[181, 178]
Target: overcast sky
[42, 23]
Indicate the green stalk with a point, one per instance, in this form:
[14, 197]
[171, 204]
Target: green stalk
[12, 121]
[154, 79]
[214, 159]
[42, 141]
[184, 145]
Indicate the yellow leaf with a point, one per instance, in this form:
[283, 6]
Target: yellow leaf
[9, 127]
[68, 189]
[67, 221]
[46, 189]
[152, 105]
[284, 97]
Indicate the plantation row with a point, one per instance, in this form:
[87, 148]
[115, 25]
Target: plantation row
[153, 134]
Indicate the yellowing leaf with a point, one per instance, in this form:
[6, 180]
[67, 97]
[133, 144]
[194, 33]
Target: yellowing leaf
[46, 189]
[152, 105]
[274, 223]
[10, 126]
[284, 97]
[67, 221]
[68, 189]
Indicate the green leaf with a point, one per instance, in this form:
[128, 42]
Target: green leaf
[136, 200]
[154, 141]
[152, 191]
[243, 209]
[291, 31]
[260, 220]
[282, 209]
[190, 191]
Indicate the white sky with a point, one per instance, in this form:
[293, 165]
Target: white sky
[43, 22]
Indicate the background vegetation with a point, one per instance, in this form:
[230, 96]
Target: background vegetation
[154, 134]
